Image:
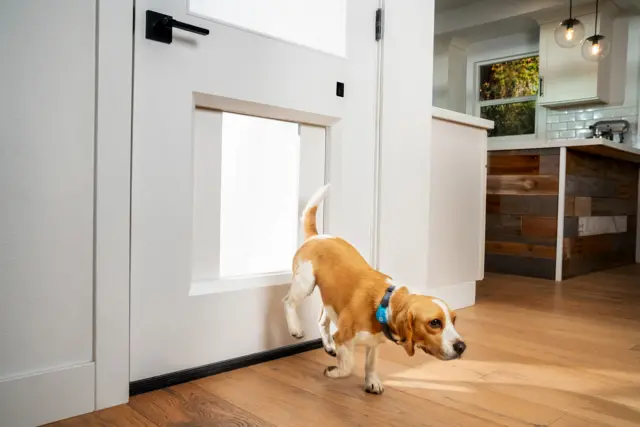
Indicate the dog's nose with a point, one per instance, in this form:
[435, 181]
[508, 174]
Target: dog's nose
[459, 347]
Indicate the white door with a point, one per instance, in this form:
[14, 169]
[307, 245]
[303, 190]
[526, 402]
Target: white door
[232, 132]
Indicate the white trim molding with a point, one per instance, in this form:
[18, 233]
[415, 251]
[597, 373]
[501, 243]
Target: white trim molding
[45, 397]
[562, 183]
[234, 284]
[112, 203]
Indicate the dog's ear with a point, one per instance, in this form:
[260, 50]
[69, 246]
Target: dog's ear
[405, 330]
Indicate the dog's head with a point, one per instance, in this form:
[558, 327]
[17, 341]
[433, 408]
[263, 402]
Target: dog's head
[429, 324]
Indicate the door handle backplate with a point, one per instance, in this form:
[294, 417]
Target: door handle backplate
[159, 27]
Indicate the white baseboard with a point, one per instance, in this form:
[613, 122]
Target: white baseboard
[456, 296]
[45, 397]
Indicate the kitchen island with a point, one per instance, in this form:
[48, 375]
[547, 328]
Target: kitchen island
[562, 209]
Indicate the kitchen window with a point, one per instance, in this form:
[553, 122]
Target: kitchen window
[507, 94]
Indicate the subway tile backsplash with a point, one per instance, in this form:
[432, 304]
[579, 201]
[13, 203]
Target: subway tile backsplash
[575, 122]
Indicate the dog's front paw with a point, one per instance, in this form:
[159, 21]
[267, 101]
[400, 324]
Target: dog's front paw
[297, 333]
[331, 372]
[373, 385]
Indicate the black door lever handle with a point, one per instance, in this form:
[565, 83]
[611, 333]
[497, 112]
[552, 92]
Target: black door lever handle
[159, 27]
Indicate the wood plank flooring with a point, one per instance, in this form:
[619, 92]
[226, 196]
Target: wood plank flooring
[539, 354]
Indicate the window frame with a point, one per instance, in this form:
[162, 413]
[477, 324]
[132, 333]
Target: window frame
[478, 104]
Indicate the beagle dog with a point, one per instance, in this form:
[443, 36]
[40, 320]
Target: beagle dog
[365, 305]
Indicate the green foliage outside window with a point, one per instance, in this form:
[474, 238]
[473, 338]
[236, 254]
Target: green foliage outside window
[510, 79]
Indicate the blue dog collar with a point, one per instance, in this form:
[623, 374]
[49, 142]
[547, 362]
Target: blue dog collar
[382, 313]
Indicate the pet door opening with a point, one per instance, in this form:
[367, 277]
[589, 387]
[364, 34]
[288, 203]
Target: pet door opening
[249, 176]
[259, 195]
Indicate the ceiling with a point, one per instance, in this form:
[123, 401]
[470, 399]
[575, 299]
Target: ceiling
[442, 5]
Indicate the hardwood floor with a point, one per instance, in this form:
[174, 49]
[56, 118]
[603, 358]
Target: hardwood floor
[539, 354]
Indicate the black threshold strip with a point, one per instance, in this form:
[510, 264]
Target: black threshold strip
[186, 375]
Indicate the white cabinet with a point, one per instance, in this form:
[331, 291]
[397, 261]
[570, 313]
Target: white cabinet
[457, 205]
[568, 79]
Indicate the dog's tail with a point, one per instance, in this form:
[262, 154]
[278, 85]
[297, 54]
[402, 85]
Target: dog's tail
[308, 218]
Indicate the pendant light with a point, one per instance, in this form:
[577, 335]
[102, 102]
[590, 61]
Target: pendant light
[570, 33]
[596, 47]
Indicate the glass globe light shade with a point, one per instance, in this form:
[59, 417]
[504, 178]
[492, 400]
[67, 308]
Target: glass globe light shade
[596, 48]
[570, 33]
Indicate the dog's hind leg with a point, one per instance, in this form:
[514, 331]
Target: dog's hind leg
[302, 286]
[325, 332]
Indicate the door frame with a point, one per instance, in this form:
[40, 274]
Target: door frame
[114, 64]
[406, 98]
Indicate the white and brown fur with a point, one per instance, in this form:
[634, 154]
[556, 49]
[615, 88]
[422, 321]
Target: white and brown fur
[351, 291]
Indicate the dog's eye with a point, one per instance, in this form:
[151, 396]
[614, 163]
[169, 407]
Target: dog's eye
[435, 324]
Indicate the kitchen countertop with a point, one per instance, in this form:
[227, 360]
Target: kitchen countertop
[464, 119]
[598, 146]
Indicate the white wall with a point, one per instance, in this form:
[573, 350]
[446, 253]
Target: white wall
[46, 220]
[457, 72]
[441, 80]
[450, 65]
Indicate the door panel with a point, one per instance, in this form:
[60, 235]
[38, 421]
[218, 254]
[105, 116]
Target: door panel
[184, 313]
[310, 23]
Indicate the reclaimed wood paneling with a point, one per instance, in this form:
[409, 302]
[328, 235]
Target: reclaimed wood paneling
[503, 224]
[550, 165]
[582, 206]
[521, 249]
[583, 164]
[569, 205]
[514, 165]
[519, 238]
[579, 265]
[599, 206]
[571, 226]
[522, 210]
[539, 226]
[603, 207]
[601, 196]
[594, 225]
[522, 184]
[542, 268]
[589, 246]
[607, 152]
[587, 186]
[522, 205]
